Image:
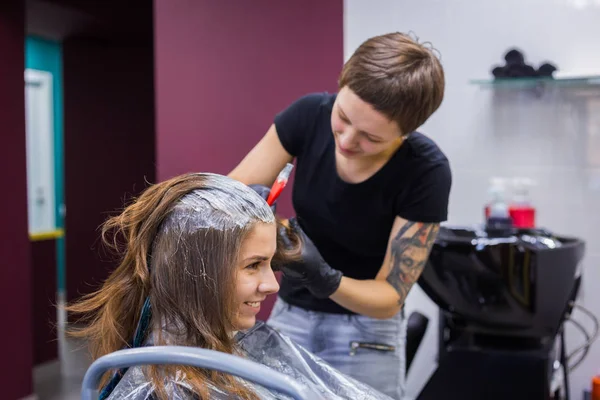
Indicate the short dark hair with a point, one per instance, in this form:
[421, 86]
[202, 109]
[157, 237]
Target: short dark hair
[398, 76]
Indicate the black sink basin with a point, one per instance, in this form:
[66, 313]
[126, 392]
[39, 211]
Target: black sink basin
[518, 282]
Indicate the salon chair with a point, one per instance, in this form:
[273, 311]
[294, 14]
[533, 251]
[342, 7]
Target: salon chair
[415, 331]
[201, 358]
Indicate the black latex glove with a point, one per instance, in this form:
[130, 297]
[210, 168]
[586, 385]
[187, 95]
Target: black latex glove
[263, 191]
[312, 272]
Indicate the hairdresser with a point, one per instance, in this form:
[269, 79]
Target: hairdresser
[369, 194]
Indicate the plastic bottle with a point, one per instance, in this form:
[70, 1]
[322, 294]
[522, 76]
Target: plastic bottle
[497, 193]
[521, 210]
[496, 212]
[596, 387]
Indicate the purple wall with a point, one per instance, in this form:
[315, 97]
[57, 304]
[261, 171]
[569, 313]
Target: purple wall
[44, 330]
[225, 68]
[109, 146]
[15, 266]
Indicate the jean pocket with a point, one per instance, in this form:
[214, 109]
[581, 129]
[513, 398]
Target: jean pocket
[387, 330]
[379, 347]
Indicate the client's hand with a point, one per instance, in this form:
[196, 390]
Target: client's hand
[263, 191]
[312, 272]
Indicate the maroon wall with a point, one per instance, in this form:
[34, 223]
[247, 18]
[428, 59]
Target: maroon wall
[43, 266]
[224, 68]
[15, 268]
[109, 146]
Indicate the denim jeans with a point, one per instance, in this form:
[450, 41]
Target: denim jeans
[370, 350]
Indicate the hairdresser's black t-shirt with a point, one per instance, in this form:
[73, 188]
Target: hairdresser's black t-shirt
[350, 223]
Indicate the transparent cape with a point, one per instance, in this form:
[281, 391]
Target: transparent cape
[266, 346]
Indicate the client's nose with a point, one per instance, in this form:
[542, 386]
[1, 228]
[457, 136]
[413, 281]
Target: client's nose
[269, 284]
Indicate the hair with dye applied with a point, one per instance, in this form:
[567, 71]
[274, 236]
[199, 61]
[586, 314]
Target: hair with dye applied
[178, 244]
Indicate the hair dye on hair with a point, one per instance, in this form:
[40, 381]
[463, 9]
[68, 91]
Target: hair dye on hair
[178, 244]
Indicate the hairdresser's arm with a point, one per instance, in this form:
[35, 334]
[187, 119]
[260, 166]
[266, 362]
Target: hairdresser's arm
[262, 164]
[408, 250]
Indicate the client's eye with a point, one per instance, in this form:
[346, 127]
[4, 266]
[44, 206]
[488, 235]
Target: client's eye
[254, 265]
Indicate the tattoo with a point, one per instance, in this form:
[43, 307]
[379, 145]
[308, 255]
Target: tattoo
[409, 255]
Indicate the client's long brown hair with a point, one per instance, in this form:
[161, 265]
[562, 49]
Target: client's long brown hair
[178, 243]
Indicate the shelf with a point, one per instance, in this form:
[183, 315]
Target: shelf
[576, 81]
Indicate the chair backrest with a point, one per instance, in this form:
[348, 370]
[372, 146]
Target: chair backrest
[415, 331]
[196, 357]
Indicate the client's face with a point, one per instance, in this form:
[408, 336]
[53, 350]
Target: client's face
[255, 278]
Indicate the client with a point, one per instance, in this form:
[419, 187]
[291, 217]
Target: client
[196, 254]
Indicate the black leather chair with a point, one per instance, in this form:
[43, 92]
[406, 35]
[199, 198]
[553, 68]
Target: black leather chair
[415, 331]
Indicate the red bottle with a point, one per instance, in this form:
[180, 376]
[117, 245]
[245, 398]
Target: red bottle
[523, 216]
[520, 208]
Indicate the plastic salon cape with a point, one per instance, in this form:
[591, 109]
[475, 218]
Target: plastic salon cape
[266, 346]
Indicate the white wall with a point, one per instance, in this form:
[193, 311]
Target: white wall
[554, 139]
[40, 151]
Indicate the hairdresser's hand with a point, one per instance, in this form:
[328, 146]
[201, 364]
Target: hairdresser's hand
[263, 191]
[312, 272]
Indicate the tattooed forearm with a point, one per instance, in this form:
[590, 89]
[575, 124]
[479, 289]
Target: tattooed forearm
[410, 251]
